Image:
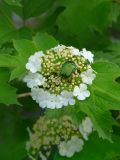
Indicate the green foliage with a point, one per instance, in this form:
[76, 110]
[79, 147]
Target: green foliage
[43, 41]
[7, 27]
[111, 53]
[7, 92]
[25, 48]
[36, 7]
[80, 21]
[12, 134]
[97, 149]
[13, 2]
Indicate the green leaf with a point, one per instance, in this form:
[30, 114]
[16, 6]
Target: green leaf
[8, 61]
[44, 41]
[13, 134]
[111, 53]
[7, 27]
[101, 118]
[7, 92]
[105, 82]
[84, 23]
[13, 2]
[25, 48]
[96, 149]
[36, 7]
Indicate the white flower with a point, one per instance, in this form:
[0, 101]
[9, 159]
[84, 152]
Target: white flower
[34, 62]
[58, 48]
[34, 79]
[45, 99]
[86, 128]
[88, 76]
[58, 101]
[64, 149]
[67, 98]
[74, 51]
[87, 55]
[70, 147]
[81, 92]
[77, 143]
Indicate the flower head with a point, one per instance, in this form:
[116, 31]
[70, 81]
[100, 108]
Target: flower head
[48, 133]
[57, 76]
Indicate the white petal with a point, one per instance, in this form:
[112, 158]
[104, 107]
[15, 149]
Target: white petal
[76, 91]
[81, 97]
[72, 101]
[86, 93]
[83, 87]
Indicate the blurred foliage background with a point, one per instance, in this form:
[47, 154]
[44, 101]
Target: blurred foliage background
[94, 25]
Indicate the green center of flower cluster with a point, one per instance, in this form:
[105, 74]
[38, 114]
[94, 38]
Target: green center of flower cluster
[62, 70]
[49, 133]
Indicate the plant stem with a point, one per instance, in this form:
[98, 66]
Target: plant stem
[24, 95]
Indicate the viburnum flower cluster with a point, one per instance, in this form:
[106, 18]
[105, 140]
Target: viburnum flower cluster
[60, 134]
[60, 75]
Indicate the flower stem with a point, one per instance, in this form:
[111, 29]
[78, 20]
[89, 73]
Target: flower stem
[24, 95]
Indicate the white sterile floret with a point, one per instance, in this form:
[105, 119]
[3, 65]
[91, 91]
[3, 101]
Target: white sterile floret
[86, 128]
[34, 62]
[74, 51]
[58, 48]
[34, 79]
[88, 76]
[87, 55]
[77, 143]
[45, 99]
[69, 148]
[81, 92]
[67, 98]
[64, 149]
